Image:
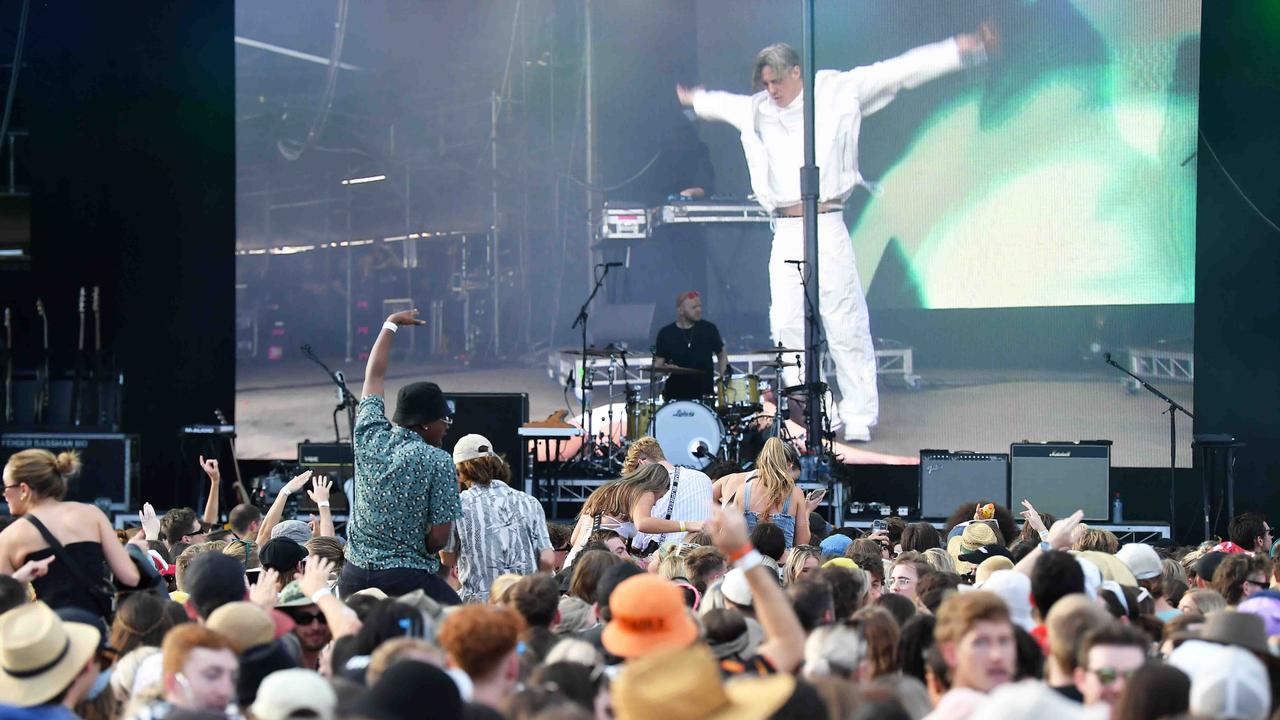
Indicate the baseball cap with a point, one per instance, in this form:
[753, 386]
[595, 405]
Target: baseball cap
[281, 554]
[246, 625]
[1226, 681]
[213, 580]
[1015, 589]
[420, 403]
[295, 530]
[472, 446]
[1141, 559]
[736, 589]
[835, 544]
[285, 692]
[1265, 605]
[647, 615]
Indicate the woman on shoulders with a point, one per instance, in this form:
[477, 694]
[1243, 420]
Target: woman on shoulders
[772, 494]
[625, 506]
[35, 482]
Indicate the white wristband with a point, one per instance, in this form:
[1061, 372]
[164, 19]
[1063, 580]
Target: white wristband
[750, 560]
[322, 503]
[388, 325]
[1044, 535]
[315, 596]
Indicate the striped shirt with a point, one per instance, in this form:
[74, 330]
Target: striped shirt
[502, 530]
[693, 502]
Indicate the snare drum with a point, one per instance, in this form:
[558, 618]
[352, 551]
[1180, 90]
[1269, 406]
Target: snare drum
[737, 391]
[685, 427]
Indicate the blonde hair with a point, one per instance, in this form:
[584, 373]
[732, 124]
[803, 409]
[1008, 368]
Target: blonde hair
[42, 471]
[672, 560]
[645, 448]
[774, 477]
[617, 497]
[800, 554]
[939, 560]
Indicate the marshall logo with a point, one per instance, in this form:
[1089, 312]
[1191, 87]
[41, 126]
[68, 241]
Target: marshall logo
[1060, 453]
[682, 413]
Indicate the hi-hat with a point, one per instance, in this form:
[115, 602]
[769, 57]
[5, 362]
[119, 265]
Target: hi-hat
[778, 349]
[606, 351]
[776, 365]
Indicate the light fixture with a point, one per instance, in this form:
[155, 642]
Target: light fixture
[363, 180]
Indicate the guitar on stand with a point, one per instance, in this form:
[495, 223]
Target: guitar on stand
[8, 366]
[98, 407]
[242, 495]
[77, 377]
[42, 380]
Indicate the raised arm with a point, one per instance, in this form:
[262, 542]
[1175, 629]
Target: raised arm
[276, 511]
[717, 105]
[319, 494]
[375, 371]
[784, 636]
[210, 468]
[874, 86]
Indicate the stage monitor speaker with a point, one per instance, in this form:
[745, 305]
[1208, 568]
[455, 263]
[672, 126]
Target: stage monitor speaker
[109, 463]
[951, 479]
[1062, 477]
[497, 416]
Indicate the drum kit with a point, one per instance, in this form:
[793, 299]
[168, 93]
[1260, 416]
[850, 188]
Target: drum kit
[692, 433]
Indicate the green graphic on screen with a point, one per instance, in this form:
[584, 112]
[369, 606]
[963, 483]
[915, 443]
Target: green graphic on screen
[1067, 177]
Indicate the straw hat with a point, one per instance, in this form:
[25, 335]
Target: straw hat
[40, 654]
[686, 685]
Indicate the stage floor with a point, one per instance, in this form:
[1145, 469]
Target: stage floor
[278, 406]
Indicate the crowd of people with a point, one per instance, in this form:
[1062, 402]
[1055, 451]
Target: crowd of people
[677, 594]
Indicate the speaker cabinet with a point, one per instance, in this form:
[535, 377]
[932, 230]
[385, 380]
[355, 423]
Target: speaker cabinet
[497, 416]
[950, 479]
[1062, 477]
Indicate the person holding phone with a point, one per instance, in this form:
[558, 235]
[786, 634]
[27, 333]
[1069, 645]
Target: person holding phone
[772, 495]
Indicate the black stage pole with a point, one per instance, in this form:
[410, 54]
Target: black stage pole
[809, 197]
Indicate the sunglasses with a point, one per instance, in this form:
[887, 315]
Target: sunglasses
[1108, 675]
[306, 618]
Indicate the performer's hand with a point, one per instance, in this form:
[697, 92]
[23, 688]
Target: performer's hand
[693, 192]
[406, 317]
[989, 34]
[686, 94]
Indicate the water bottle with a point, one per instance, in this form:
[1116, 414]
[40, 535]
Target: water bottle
[1117, 510]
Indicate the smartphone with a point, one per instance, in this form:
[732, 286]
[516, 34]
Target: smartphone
[879, 525]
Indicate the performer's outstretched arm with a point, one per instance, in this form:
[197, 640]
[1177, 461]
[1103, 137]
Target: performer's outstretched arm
[875, 85]
[718, 105]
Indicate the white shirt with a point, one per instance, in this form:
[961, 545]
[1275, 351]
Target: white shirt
[773, 137]
[693, 502]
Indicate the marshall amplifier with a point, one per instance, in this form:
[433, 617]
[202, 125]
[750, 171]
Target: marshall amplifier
[109, 463]
[1062, 477]
[951, 479]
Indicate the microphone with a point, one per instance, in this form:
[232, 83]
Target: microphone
[702, 451]
[342, 379]
[1106, 356]
[794, 262]
[609, 265]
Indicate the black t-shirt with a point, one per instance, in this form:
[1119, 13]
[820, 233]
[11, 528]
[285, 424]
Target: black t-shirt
[695, 348]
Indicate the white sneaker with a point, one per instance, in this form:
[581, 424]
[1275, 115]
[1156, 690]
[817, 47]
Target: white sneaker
[857, 434]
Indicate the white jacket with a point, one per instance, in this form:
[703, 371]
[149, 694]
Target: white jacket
[840, 102]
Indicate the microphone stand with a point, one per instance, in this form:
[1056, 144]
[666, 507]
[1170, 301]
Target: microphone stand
[348, 402]
[584, 384]
[1173, 410]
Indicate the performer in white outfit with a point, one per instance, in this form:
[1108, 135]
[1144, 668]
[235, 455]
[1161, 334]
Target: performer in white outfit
[771, 123]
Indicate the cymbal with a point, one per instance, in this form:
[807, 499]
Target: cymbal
[776, 365]
[779, 349]
[671, 370]
[604, 352]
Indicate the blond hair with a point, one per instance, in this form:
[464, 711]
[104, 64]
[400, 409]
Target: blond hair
[617, 497]
[645, 448]
[42, 471]
[774, 463]
[800, 554]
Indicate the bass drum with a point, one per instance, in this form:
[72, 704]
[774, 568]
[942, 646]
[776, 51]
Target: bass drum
[685, 427]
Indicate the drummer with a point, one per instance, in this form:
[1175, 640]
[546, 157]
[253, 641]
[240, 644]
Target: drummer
[690, 342]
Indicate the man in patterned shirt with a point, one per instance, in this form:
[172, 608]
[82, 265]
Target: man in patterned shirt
[502, 530]
[406, 489]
